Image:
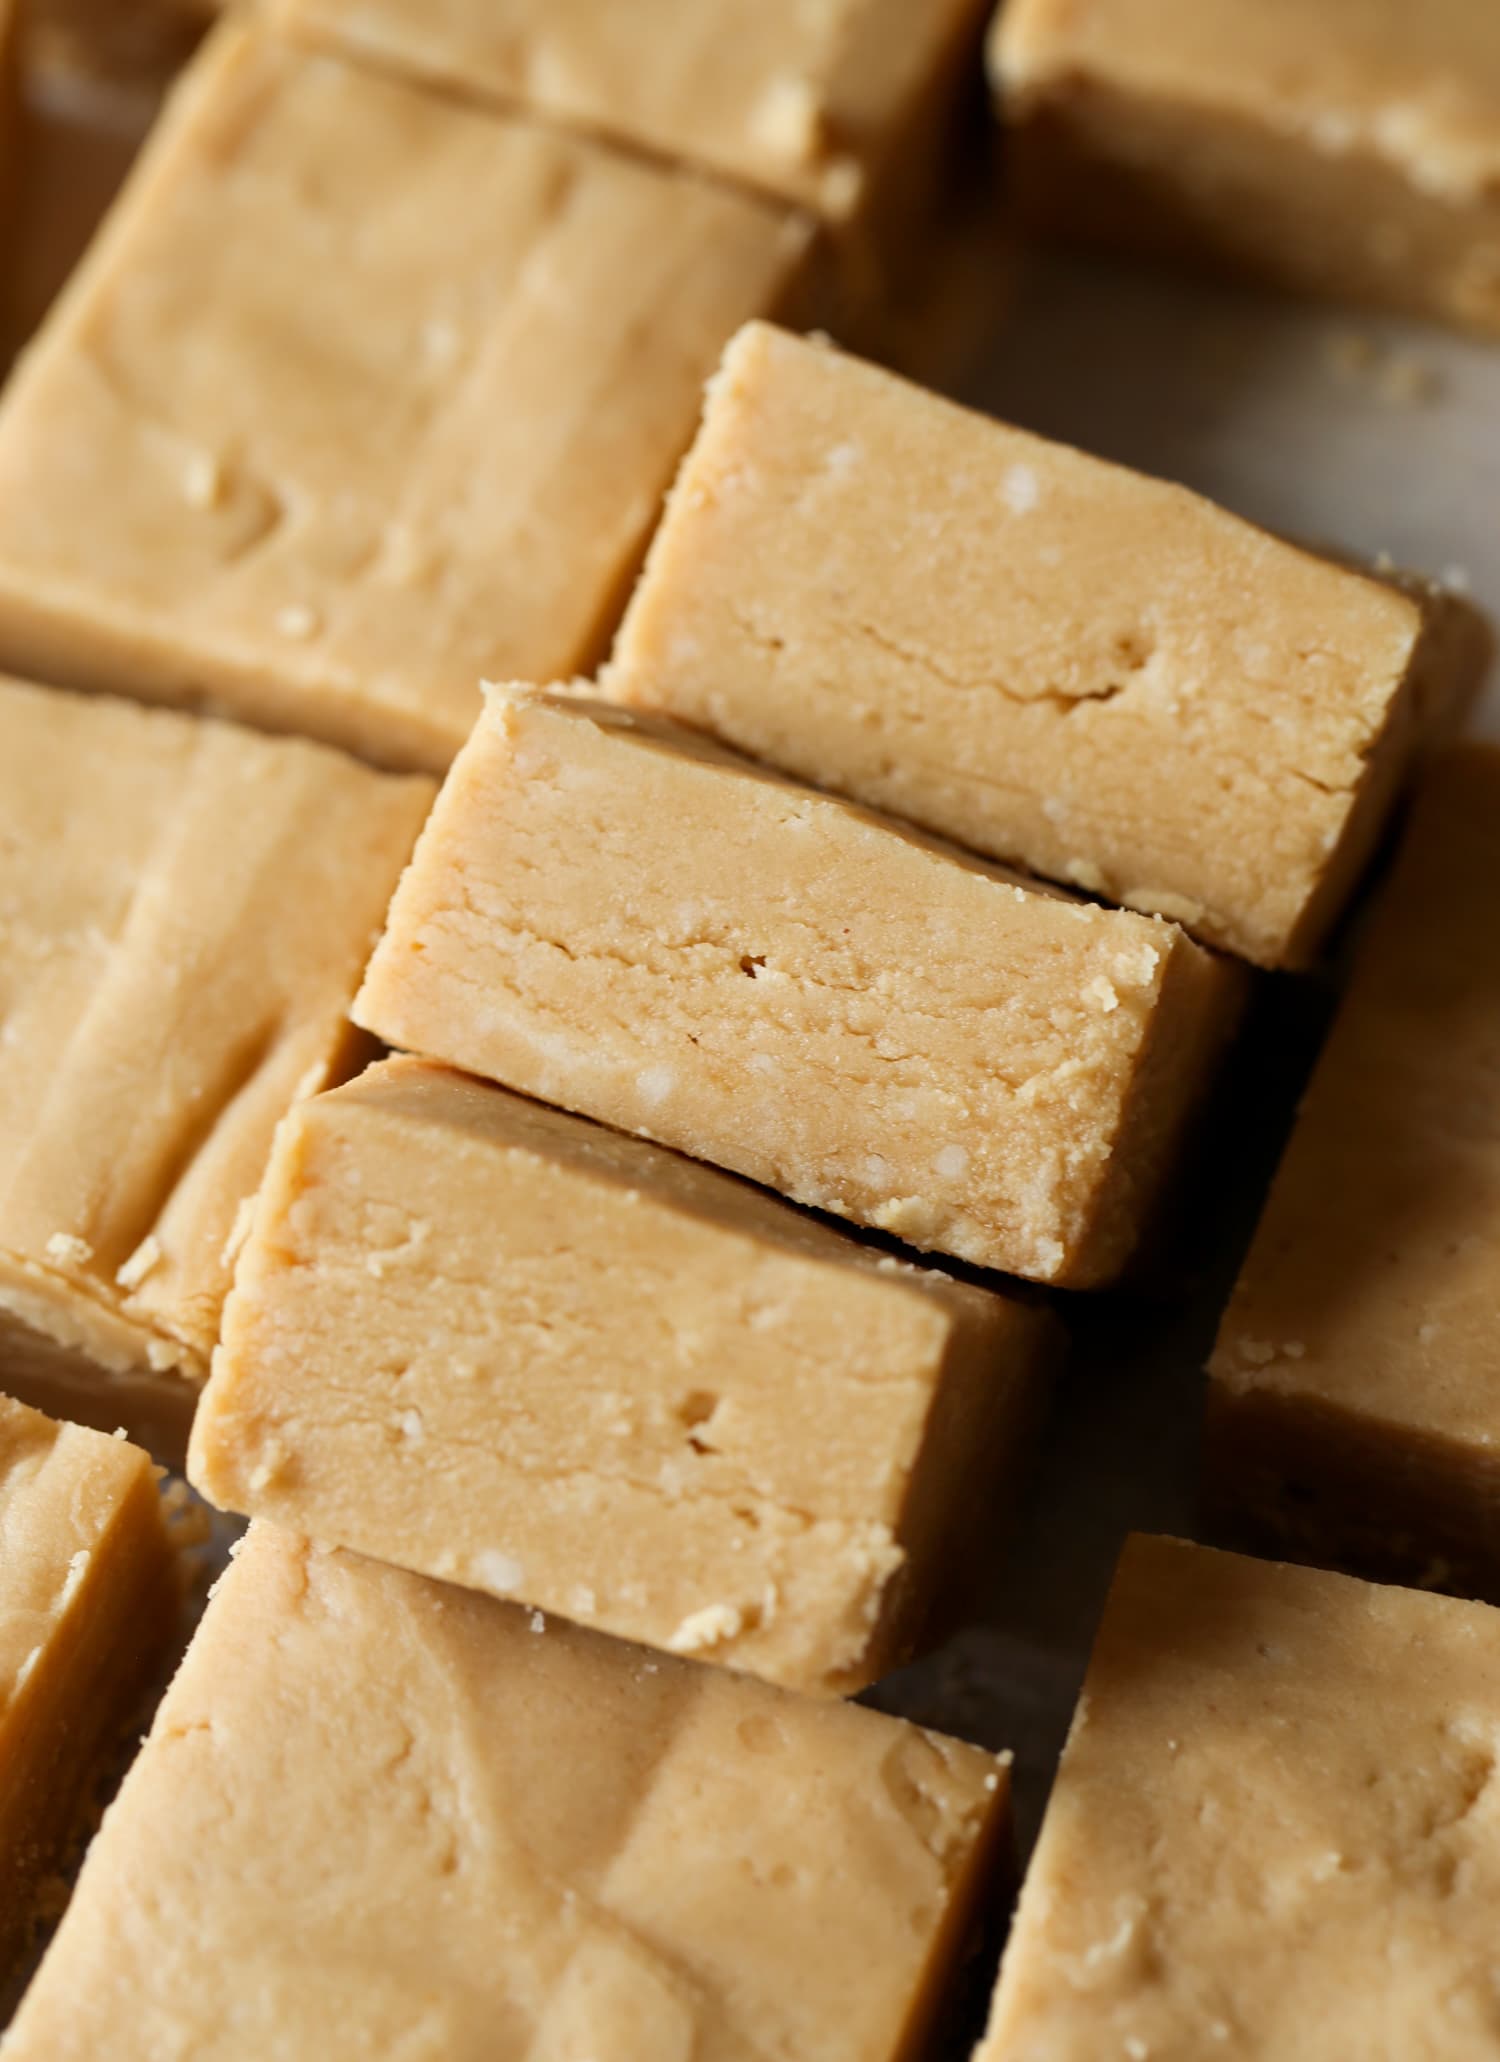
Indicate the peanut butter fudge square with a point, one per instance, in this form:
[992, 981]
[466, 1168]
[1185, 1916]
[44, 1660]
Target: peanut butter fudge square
[1051, 659]
[88, 1604]
[489, 1341]
[185, 910]
[361, 394]
[1350, 147]
[1275, 1836]
[839, 107]
[1354, 1408]
[380, 1816]
[615, 915]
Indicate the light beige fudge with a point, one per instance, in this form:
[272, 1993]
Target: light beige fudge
[1349, 148]
[840, 108]
[1049, 658]
[422, 438]
[185, 911]
[88, 1605]
[1275, 1835]
[533, 1842]
[619, 917]
[1355, 1400]
[489, 1341]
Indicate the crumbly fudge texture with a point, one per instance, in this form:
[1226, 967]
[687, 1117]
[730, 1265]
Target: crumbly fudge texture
[485, 1340]
[1275, 1836]
[1355, 1402]
[533, 1842]
[1051, 659]
[423, 438]
[88, 1603]
[1349, 148]
[829, 106]
[185, 909]
[619, 917]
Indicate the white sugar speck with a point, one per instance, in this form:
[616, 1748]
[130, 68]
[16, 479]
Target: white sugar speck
[1021, 490]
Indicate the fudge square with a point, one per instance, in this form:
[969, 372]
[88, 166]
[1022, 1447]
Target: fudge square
[88, 1604]
[1354, 1408]
[380, 1816]
[185, 910]
[421, 437]
[1349, 148]
[1051, 659]
[1276, 1829]
[838, 107]
[485, 1340]
[618, 916]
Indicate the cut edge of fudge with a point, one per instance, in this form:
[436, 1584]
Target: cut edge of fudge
[984, 1378]
[1330, 1487]
[1341, 1446]
[1150, 1116]
[1311, 203]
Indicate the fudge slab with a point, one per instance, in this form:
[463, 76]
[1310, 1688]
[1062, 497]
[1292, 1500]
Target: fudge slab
[485, 1340]
[1349, 148]
[619, 917]
[88, 1604]
[1275, 1835]
[1049, 658]
[423, 437]
[833, 107]
[185, 911]
[1355, 1400]
[533, 1842]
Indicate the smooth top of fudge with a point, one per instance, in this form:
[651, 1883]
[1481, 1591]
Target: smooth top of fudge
[619, 916]
[1371, 1286]
[800, 100]
[1050, 658]
[61, 1489]
[1417, 86]
[423, 437]
[480, 1338]
[576, 1849]
[1275, 1836]
[185, 908]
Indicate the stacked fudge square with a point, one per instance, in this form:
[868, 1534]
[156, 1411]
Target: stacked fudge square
[600, 1427]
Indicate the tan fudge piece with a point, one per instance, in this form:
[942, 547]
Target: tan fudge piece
[623, 919]
[422, 438]
[533, 1844]
[88, 1602]
[1049, 658]
[1350, 147]
[1355, 1405]
[1275, 1836]
[185, 909]
[831, 106]
[478, 1338]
